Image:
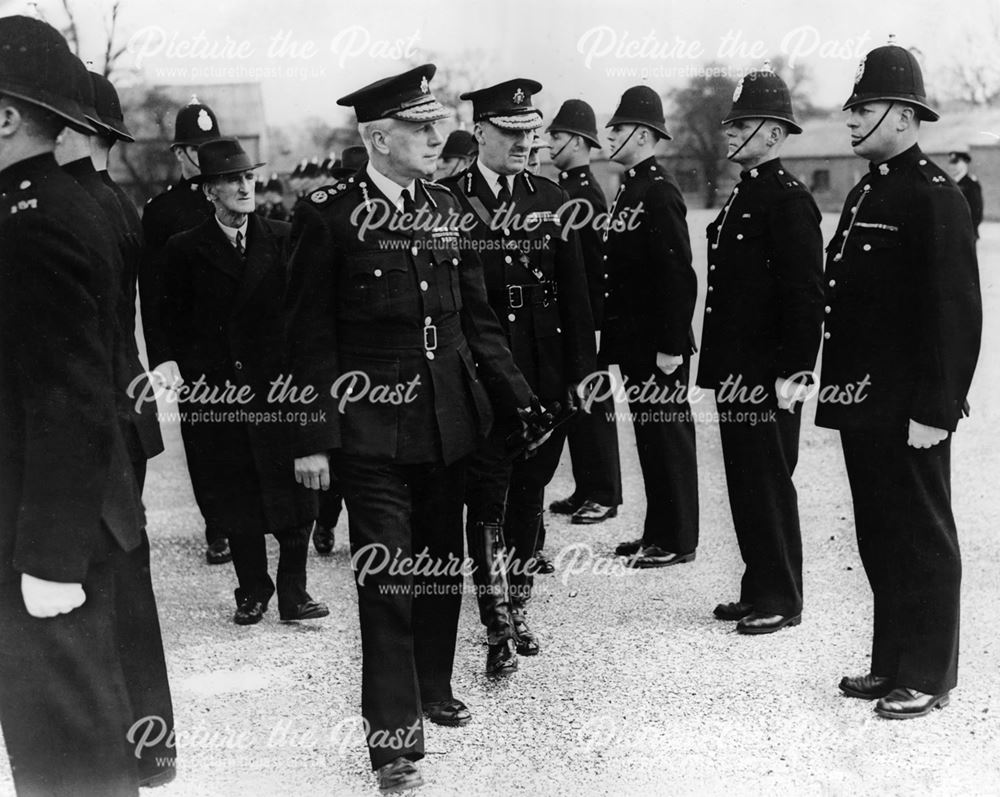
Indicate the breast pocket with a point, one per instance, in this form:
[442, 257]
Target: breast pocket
[747, 240]
[376, 280]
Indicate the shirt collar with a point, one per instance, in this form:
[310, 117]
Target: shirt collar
[230, 232]
[393, 191]
[492, 177]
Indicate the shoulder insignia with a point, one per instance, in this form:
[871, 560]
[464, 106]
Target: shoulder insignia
[23, 204]
[933, 173]
[318, 197]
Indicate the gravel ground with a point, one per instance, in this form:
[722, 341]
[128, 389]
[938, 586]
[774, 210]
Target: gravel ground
[638, 690]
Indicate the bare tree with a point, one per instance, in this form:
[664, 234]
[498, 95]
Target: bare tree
[696, 112]
[109, 48]
[975, 72]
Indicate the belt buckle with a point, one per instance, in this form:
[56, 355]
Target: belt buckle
[430, 337]
[518, 292]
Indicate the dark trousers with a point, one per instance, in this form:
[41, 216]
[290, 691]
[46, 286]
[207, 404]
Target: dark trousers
[213, 532]
[760, 448]
[409, 620]
[593, 450]
[330, 505]
[909, 547]
[512, 495]
[73, 686]
[665, 437]
[250, 563]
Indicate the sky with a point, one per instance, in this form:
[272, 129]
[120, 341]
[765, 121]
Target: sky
[306, 53]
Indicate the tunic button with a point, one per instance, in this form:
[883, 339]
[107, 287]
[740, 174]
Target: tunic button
[711, 268]
[454, 261]
[25, 184]
[826, 335]
[605, 257]
[833, 283]
[710, 289]
[378, 272]
[923, 162]
[415, 251]
[559, 329]
[606, 294]
[715, 246]
[739, 236]
[854, 209]
[423, 285]
[430, 355]
[826, 309]
[238, 365]
[844, 233]
[837, 257]
[867, 247]
[508, 260]
[427, 321]
[708, 309]
[513, 317]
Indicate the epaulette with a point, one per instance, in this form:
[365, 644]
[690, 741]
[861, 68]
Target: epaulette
[933, 173]
[320, 196]
[541, 178]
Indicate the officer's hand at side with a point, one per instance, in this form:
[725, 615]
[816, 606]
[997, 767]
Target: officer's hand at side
[49, 598]
[789, 392]
[573, 398]
[167, 375]
[313, 471]
[668, 363]
[922, 436]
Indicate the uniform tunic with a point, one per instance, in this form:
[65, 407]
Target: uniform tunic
[903, 326]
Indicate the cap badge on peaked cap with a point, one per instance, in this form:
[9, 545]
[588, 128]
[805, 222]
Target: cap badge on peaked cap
[204, 120]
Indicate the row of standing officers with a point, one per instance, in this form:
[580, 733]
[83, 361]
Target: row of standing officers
[489, 328]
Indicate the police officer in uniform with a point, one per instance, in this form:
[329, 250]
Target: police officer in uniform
[760, 337]
[71, 518]
[593, 437]
[537, 288]
[903, 326]
[274, 205]
[179, 208]
[459, 151]
[649, 301]
[968, 184]
[384, 301]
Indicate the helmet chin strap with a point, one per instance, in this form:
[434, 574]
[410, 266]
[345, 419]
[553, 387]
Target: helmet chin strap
[628, 138]
[747, 140]
[554, 155]
[879, 122]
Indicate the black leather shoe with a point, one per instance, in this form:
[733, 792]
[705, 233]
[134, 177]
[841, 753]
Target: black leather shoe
[732, 611]
[566, 506]
[592, 512]
[760, 623]
[542, 564]
[453, 713]
[323, 540]
[249, 609]
[628, 548]
[310, 610]
[501, 658]
[526, 641]
[866, 687]
[903, 703]
[218, 552]
[655, 556]
[398, 775]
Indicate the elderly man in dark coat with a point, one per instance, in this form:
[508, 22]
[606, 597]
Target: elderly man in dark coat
[224, 290]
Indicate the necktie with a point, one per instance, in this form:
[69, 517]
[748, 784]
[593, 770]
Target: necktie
[240, 243]
[503, 195]
[408, 205]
